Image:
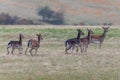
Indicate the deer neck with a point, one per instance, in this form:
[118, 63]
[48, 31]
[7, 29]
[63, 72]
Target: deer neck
[20, 40]
[38, 39]
[104, 34]
[78, 36]
[89, 36]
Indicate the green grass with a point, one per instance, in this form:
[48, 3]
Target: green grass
[52, 64]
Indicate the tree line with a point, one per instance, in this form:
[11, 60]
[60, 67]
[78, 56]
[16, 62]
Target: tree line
[6, 19]
[46, 14]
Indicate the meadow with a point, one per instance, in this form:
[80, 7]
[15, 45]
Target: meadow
[51, 62]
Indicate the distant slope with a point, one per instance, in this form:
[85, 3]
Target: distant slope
[76, 11]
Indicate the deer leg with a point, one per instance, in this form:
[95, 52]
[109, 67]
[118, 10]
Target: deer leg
[12, 51]
[77, 49]
[68, 48]
[86, 48]
[26, 50]
[8, 50]
[36, 51]
[20, 50]
[100, 45]
[31, 51]
[81, 47]
[73, 47]
[8, 46]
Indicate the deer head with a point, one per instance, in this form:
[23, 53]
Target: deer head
[39, 36]
[21, 35]
[106, 28]
[90, 31]
[80, 31]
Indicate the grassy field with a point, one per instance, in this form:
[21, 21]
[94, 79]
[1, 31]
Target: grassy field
[51, 63]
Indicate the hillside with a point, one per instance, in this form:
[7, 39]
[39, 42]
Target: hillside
[88, 11]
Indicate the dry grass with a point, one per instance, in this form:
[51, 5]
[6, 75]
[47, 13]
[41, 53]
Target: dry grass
[52, 64]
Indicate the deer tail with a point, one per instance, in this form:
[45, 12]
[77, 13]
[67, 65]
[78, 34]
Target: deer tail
[9, 45]
[66, 43]
[29, 43]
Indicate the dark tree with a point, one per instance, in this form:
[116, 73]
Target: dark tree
[51, 16]
[46, 13]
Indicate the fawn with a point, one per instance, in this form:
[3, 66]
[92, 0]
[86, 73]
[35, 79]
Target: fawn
[71, 43]
[84, 42]
[98, 39]
[34, 44]
[16, 45]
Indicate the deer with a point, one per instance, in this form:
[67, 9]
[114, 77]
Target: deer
[72, 43]
[98, 39]
[34, 44]
[15, 45]
[85, 41]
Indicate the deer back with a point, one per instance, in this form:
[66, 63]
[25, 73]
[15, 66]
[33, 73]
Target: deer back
[33, 43]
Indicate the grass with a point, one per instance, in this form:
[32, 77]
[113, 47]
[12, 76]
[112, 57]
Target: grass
[52, 64]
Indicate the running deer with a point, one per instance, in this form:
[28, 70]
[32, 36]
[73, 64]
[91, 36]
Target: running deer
[84, 42]
[34, 44]
[71, 43]
[98, 39]
[16, 45]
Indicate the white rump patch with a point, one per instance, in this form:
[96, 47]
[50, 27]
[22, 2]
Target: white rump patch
[96, 41]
